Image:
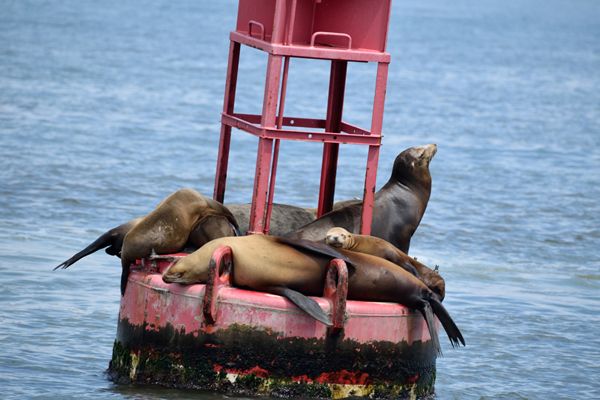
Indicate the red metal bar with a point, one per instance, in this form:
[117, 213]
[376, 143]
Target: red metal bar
[307, 136]
[373, 156]
[261, 185]
[279, 20]
[369, 190]
[349, 128]
[334, 34]
[228, 106]
[290, 26]
[287, 121]
[219, 272]
[328, 175]
[379, 98]
[306, 51]
[286, 65]
[265, 146]
[335, 105]
[305, 123]
[269, 207]
[336, 290]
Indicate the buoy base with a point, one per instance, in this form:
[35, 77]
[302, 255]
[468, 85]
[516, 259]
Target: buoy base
[242, 360]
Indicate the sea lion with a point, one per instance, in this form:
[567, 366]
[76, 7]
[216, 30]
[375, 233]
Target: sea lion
[208, 228]
[167, 228]
[260, 262]
[339, 237]
[295, 268]
[398, 208]
[284, 218]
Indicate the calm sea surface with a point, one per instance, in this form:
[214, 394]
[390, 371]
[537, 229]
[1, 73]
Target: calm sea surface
[107, 107]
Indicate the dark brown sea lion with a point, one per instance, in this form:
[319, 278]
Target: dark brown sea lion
[284, 218]
[294, 268]
[341, 238]
[398, 208]
[167, 228]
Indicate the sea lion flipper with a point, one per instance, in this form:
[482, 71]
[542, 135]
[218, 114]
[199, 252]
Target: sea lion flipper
[124, 278]
[303, 302]
[111, 239]
[450, 327]
[318, 248]
[104, 240]
[430, 320]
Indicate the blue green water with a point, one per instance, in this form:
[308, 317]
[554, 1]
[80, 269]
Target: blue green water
[106, 107]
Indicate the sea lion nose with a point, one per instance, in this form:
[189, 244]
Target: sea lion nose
[337, 240]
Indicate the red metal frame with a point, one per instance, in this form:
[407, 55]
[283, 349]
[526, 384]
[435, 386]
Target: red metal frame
[336, 290]
[306, 29]
[228, 103]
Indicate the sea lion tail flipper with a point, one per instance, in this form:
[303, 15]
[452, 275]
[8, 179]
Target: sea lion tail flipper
[112, 239]
[303, 302]
[106, 239]
[450, 327]
[430, 320]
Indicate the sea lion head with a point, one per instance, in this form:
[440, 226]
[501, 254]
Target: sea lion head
[413, 163]
[339, 237]
[185, 272]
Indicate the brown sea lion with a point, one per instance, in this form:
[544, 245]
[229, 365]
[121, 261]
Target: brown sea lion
[284, 218]
[341, 238]
[398, 208]
[295, 268]
[208, 228]
[167, 228]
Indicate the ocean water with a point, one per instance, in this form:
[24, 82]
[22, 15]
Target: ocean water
[106, 107]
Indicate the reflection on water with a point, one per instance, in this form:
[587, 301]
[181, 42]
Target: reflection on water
[105, 108]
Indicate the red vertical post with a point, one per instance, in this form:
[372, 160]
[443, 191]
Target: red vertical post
[228, 105]
[369, 190]
[335, 105]
[265, 146]
[286, 65]
[373, 155]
